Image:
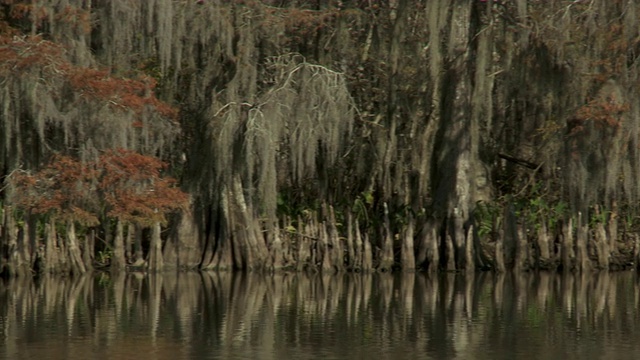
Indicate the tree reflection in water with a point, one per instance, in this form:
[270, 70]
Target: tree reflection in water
[227, 316]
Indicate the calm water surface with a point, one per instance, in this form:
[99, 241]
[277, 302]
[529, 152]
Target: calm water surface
[295, 316]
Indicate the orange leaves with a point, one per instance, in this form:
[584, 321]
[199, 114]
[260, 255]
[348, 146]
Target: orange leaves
[128, 185]
[75, 16]
[64, 188]
[21, 54]
[124, 93]
[603, 113]
[28, 52]
[134, 189]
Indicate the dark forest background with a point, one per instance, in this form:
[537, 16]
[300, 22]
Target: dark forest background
[330, 135]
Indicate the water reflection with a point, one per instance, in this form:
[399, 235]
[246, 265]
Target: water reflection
[225, 316]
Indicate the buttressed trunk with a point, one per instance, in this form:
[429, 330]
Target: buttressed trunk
[457, 163]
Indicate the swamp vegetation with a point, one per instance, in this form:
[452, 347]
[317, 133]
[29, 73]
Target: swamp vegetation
[350, 135]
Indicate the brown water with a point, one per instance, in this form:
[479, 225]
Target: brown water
[294, 316]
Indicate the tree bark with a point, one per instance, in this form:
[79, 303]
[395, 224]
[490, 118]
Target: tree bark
[456, 166]
[13, 261]
[88, 249]
[128, 242]
[74, 254]
[582, 255]
[567, 246]
[51, 260]
[407, 254]
[386, 245]
[156, 263]
[543, 259]
[118, 260]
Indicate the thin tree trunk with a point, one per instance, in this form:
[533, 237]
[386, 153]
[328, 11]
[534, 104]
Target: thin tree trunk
[51, 260]
[3, 244]
[156, 263]
[303, 248]
[470, 265]
[10, 255]
[367, 253]
[612, 229]
[601, 246]
[433, 247]
[522, 250]
[582, 255]
[89, 248]
[636, 250]
[510, 236]
[407, 255]
[138, 252]
[327, 259]
[128, 242]
[450, 253]
[30, 241]
[73, 251]
[350, 243]
[499, 251]
[542, 241]
[337, 250]
[359, 247]
[567, 245]
[386, 247]
[118, 261]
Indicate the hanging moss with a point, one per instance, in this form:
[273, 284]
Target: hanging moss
[423, 109]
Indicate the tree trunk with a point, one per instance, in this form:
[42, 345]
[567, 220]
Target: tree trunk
[601, 246]
[218, 249]
[386, 245]
[250, 249]
[450, 253]
[183, 249]
[367, 253]
[636, 250]
[14, 263]
[138, 252]
[542, 243]
[359, 248]
[89, 248]
[51, 252]
[499, 251]
[407, 255]
[336, 247]
[276, 249]
[128, 242]
[457, 166]
[433, 247]
[156, 263]
[118, 260]
[612, 229]
[351, 263]
[522, 250]
[74, 254]
[567, 246]
[582, 255]
[510, 236]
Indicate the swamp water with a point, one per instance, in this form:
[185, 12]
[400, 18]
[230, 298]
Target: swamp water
[298, 316]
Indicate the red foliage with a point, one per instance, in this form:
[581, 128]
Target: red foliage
[27, 11]
[21, 54]
[130, 186]
[125, 93]
[62, 189]
[134, 189]
[603, 113]
[18, 54]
